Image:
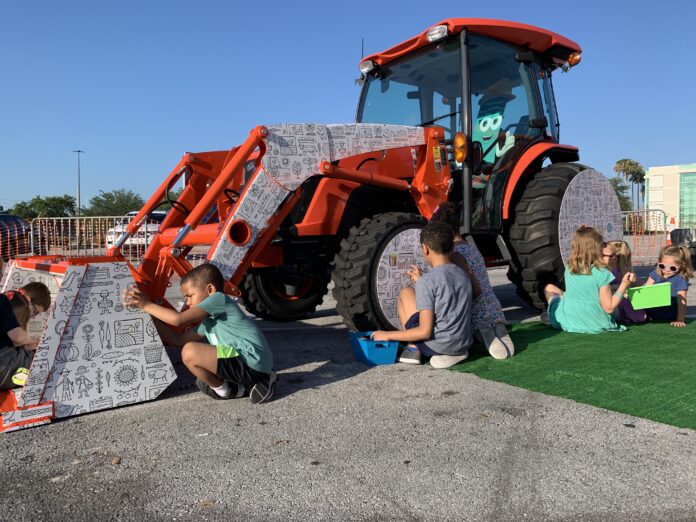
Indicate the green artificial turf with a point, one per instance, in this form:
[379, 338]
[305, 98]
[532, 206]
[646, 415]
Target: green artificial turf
[648, 371]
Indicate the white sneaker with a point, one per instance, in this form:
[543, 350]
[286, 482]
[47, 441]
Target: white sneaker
[445, 361]
[494, 345]
[502, 334]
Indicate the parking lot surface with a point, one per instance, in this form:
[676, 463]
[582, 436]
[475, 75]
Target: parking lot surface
[344, 441]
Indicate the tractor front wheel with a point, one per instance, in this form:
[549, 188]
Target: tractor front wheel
[275, 295]
[370, 269]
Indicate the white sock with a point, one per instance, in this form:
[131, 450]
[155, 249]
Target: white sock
[223, 390]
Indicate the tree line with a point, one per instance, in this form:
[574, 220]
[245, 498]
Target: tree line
[112, 203]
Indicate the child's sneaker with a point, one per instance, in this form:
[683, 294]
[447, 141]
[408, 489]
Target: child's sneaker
[445, 361]
[494, 345]
[263, 390]
[502, 334]
[236, 391]
[410, 355]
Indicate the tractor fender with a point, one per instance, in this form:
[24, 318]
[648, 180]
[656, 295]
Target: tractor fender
[535, 154]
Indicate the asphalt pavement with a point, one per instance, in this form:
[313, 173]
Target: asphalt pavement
[343, 441]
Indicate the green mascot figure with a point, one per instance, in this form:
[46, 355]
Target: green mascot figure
[489, 121]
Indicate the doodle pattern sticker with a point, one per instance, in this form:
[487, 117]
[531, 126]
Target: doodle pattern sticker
[94, 354]
[258, 203]
[294, 152]
[589, 200]
[395, 259]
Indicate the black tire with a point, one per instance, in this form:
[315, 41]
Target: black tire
[264, 296]
[355, 265]
[533, 232]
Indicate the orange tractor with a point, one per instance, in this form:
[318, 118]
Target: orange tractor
[464, 112]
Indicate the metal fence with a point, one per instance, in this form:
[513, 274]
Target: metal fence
[92, 236]
[646, 233]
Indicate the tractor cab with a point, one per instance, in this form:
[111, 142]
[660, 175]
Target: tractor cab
[487, 80]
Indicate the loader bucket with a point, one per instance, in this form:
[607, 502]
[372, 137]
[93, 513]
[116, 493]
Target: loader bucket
[94, 353]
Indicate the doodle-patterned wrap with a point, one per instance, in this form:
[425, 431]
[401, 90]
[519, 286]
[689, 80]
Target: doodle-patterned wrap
[589, 200]
[293, 155]
[95, 353]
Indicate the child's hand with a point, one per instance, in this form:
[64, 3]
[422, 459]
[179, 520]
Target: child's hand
[678, 324]
[379, 335]
[628, 278]
[134, 297]
[414, 273]
[33, 345]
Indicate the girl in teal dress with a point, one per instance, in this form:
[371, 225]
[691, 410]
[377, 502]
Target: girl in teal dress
[587, 304]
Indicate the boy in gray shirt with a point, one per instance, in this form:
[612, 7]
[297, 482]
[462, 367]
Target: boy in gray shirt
[436, 315]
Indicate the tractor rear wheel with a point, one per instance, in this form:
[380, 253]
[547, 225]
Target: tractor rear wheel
[273, 295]
[533, 232]
[370, 268]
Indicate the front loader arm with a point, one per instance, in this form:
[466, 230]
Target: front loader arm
[264, 176]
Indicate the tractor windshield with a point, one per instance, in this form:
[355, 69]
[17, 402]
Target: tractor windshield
[421, 89]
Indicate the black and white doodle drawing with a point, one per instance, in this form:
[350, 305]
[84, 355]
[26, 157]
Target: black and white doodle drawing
[119, 297]
[68, 281]
[104, 335]
[66, 385]
[89, 353]
[128, 332]
[158, 375]
[83, 383]
[67, 353]
[100, 382]
[104, 303]
[101, 403]
[112, 355]
[120, 271]
[153, 353]
[125, 375]
[151, 331]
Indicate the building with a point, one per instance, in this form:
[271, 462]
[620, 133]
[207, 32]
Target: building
[672, 189]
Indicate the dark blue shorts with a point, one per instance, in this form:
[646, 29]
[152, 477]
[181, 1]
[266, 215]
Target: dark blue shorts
[425, 350]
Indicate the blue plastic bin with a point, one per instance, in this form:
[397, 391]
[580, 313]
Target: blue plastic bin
[371, 352]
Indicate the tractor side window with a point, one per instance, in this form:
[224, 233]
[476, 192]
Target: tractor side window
[503, 101]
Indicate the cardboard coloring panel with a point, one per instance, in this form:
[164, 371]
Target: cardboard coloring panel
[95, 353]
[402, 251]
[589, 200]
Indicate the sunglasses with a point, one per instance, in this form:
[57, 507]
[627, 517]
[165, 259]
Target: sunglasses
[671, 268]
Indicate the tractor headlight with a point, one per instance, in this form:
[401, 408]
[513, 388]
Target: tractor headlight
[367, 66]
[436, 33]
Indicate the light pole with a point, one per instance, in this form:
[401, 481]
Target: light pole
[78, 151]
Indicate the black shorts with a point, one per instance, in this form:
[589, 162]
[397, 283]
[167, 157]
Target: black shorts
[235, 370]
[11, 359]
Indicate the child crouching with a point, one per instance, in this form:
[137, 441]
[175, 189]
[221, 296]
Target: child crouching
[236, 360]
[16, 345]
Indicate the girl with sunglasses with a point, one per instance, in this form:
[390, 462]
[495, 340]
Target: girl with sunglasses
[673, 267]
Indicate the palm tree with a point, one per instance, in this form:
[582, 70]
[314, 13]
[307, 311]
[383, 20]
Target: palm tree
[633, 172]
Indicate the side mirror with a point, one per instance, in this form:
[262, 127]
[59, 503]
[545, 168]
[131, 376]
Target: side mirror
[525, 57]
[539, 123]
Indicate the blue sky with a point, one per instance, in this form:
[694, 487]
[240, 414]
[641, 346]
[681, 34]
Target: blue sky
[137, 84]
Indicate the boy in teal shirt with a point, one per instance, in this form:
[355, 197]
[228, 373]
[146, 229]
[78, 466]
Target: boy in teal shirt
[236, 358]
